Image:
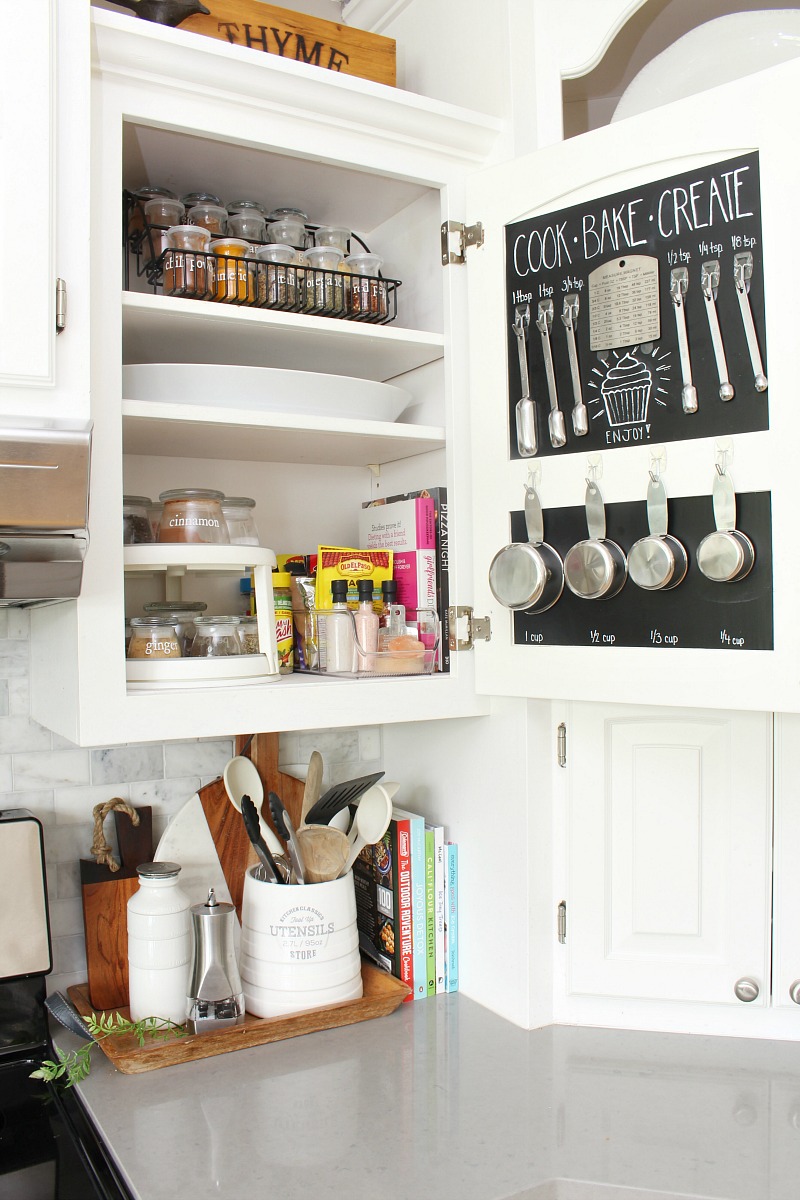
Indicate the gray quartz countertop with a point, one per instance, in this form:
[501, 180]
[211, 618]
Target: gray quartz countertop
[443, 1098]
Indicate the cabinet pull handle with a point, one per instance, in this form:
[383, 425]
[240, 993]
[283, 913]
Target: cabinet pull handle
[794, 991]
[746, 990]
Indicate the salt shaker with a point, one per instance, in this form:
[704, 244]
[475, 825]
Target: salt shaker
[159, 944]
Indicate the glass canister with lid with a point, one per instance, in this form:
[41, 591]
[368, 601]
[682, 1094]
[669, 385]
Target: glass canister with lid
[232, 272]
[160, 213]
[181, 614]
[153, 637]
[325, 281]
[368, 294]
[240, 519]
[193, 515]
[288, 226]
[149, 191]
[212, 217]
[248, 634]
[136, 528]
[216, 636]
[277, 276]
[332, 235]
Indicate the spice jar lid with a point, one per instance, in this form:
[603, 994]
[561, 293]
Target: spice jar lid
[186, 237]
[137, 501]
[151, 622]
[158, 870]
[283, 214]
[193, 198]
[364, 264]
[238, 502]
[163, 204]
[332, 235]
[246, 206]
[229, 246]
[150, 190]
[190, 494]
[281, 579]
[223, 620]
[276, 252]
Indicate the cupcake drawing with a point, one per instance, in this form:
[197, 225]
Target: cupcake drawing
[626, 391]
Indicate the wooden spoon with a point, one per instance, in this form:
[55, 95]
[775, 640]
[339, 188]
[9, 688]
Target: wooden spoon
[313, 785]
[324, 852]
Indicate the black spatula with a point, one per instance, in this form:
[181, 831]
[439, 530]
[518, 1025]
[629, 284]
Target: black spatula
[338, 797]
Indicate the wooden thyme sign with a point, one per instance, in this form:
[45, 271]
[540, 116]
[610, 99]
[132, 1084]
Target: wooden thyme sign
[295, 36]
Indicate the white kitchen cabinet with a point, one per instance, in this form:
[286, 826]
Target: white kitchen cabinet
[669, 853]
[44, 107]
[786, 926]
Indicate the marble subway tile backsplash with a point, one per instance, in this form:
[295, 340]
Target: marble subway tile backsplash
[60, 783]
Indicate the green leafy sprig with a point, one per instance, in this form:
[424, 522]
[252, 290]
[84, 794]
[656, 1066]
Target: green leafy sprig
[74, 1066]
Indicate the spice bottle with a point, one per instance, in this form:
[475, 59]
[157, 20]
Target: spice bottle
[366, 624]
[150, 191]
[136, 527]
[181, 614]
[212, 217]
[189, 268]
[392, 620]
[368, 295]
[159, 944]
[277, 276]
[247, 630]
[153, 637]
[193, 515]
[163, 212]
[284, 623]
[241, 522]
[215, 636]
[232, 273]
[327, 279]
[339, 640]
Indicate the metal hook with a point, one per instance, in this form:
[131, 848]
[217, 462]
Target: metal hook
[595, 468]
[534, 477]
[723, 454]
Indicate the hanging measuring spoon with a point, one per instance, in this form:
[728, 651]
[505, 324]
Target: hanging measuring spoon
[742, 274]
[709, 283]
[555, 421]
[569, 317]
[527, 444]
[678, 287]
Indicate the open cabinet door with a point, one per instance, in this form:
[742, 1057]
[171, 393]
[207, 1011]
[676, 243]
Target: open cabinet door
[631, 220]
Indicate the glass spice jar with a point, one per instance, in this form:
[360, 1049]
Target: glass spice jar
[240, 519]
[277, 277]
[189, 268]
[163, 212]
[368, 295]
[154, 511]
[332, 235]
[193, 198]
[249, 225]
[215, 636]
[328, 281]
[181, 615]
[153, 637]
[247, 206]
[212, 217]
[136, 528]
[150, 191]
[288, 227]
[248, 635]
[232, 273]
[193, 515]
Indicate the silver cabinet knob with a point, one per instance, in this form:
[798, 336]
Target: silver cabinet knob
[794, 991]
[746, 990]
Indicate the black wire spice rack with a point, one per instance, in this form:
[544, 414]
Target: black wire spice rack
[252, 282]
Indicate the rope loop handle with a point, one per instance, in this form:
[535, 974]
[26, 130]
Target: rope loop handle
[100, 847]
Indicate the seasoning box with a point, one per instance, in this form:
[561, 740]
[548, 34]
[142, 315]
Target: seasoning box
[337, 562]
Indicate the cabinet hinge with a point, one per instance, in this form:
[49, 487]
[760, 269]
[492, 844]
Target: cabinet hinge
[456, 234]
[61, 304]
[562, 922]
[477, 629]
[561, 744]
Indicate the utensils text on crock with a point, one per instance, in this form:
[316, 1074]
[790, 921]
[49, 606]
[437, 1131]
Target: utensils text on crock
[555, 421]
[726, 555]
[678, 287]
[528, 576]
[373, 815]
[324, 852]
[569, 318]
[242, 778]
[742, 274]
[596, 568]
[283, 824]
[527, 444]
[709, 283]
[313, 785]
[338, 797]
[659, 561]
[251, 824]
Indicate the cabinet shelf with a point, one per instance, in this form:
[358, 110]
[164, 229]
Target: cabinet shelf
[171, 329]
[187, 556]
[245, 436]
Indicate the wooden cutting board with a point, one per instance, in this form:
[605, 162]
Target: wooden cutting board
[105, 895]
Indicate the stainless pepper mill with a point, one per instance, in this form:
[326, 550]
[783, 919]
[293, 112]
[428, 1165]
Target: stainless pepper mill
[215, 1000]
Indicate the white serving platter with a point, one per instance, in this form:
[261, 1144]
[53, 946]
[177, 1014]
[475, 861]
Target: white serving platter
[264, 389]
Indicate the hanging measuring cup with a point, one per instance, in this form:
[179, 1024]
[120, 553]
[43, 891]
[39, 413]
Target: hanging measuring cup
[528, 576]
[659, 561]
[726, 555]
[596, 568]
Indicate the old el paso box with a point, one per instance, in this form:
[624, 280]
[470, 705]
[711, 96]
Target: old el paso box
[300, 38]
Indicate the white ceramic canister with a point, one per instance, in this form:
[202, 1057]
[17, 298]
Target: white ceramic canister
[159, 944]
[299, 945]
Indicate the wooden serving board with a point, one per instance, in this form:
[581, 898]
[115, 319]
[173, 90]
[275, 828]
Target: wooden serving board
[382, 995]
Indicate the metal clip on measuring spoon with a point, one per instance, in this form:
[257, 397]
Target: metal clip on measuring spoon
[742, 273]
[526, 414]
[678, 287]
[569, 317]
[709, 282]
[555, 421]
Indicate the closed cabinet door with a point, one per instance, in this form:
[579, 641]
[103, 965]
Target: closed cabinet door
[669, 854]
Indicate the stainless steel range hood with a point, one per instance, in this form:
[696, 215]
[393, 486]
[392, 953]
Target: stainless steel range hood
[44, 510]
